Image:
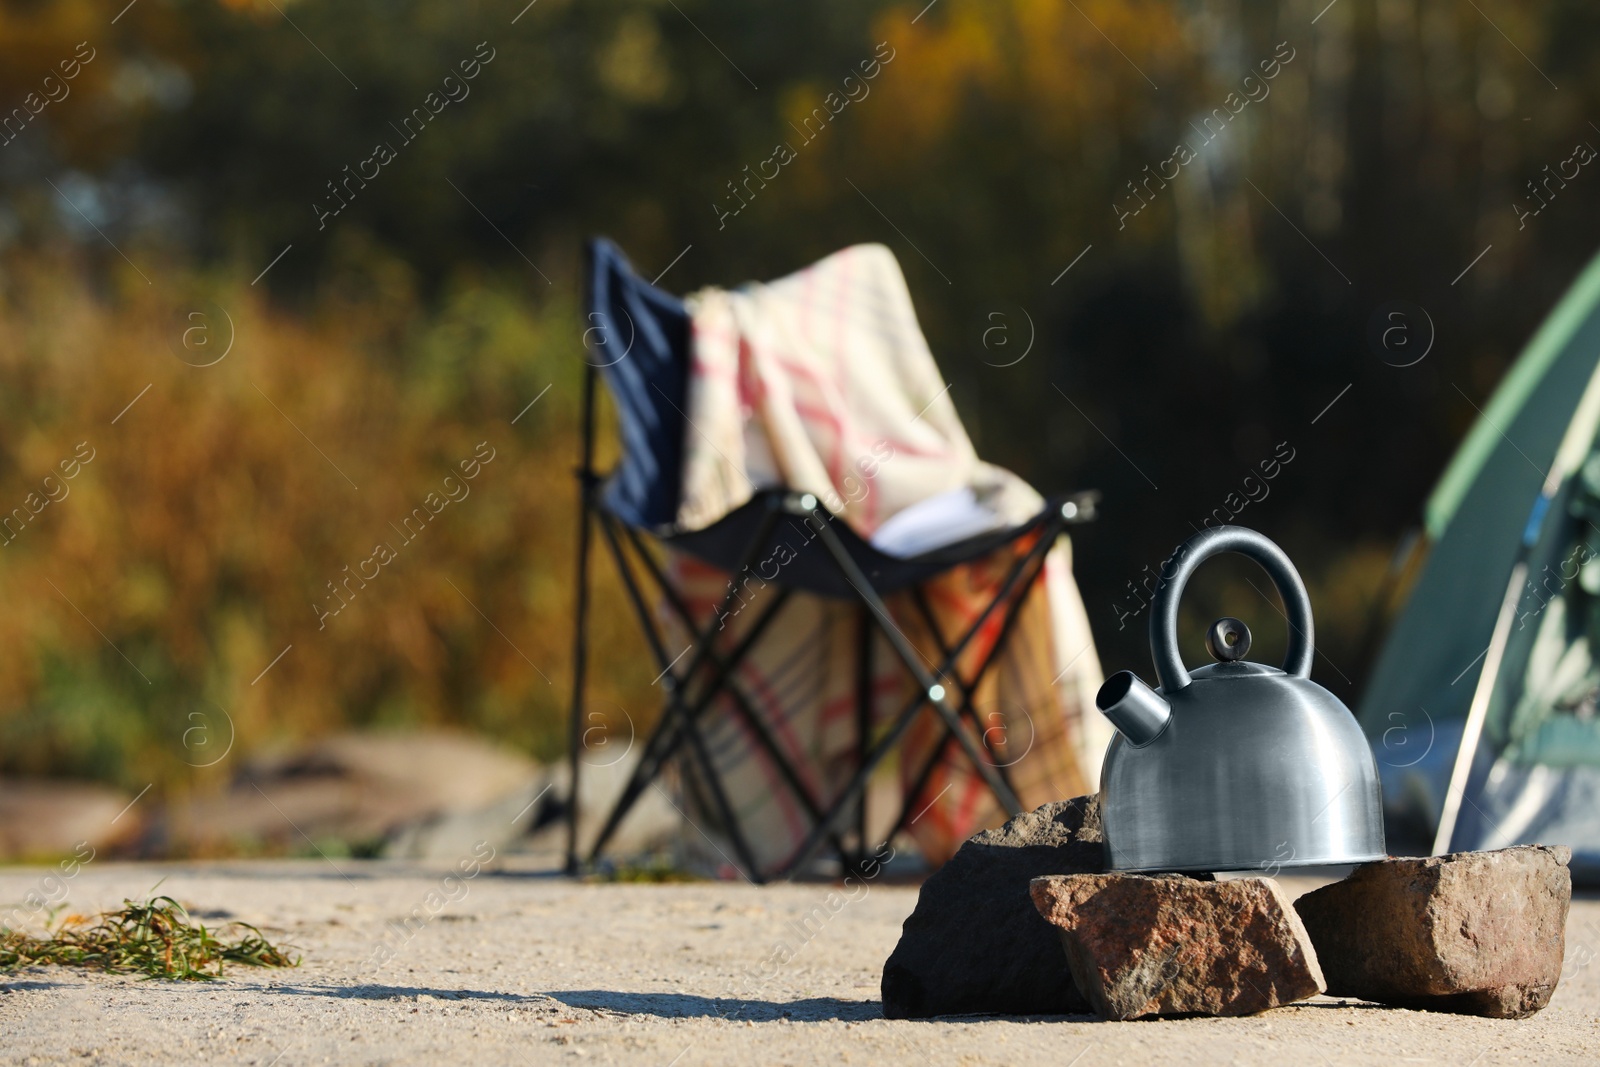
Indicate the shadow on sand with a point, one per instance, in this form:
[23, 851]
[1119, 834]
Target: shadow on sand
[661, 1005]
[397, 992]
[28, 986]
[687, 1005]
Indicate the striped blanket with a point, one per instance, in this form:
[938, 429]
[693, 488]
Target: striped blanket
[822, 382]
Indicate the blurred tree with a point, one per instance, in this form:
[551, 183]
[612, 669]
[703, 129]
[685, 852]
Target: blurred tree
[999, 148]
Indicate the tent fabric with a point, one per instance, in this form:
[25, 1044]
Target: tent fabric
[1553, 342]
[1506, 496]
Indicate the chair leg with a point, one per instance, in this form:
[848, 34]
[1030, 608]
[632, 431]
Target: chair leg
[631, 587]
[964, 689]
[657, 750]
[1012, 615]
[864, 704]
[580, 658]
[1013, 612]
[858, 781]
[735, 693]
[667, 735]
[719, 800]
[968, 691]
[750, 717]
[933, 693]
[1031, 563]
[575, 716]
[919, 786]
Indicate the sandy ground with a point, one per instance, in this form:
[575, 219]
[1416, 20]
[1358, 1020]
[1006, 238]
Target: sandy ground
[523, 967]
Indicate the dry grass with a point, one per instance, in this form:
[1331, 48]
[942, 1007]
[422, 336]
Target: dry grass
[155, 937]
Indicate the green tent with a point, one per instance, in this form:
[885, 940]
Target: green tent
[1482, 706]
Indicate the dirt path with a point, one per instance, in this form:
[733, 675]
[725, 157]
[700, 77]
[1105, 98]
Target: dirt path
[522, 967]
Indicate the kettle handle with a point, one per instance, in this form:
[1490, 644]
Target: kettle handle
[1170, 672]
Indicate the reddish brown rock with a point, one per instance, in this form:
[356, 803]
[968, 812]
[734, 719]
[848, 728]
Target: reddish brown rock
[1476, 933]
[1176, 946]
[974, 943]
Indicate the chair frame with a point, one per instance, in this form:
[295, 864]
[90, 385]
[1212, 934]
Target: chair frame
[678, 725]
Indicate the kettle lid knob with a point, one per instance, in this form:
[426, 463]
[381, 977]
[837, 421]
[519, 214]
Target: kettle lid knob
[1228, 640]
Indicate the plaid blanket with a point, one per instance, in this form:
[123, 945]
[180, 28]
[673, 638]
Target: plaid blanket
[822, 382]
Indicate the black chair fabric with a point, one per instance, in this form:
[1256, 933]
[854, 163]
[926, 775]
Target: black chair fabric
[638, 337]
[792, 556]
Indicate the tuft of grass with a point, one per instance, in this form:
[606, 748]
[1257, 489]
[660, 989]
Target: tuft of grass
[155, 937]
[655, 870]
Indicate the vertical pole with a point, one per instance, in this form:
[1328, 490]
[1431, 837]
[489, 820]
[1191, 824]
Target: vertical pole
[863, 730]
[1478, 711]
[580, 650]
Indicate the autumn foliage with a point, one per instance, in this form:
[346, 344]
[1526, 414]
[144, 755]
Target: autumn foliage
[257, 390]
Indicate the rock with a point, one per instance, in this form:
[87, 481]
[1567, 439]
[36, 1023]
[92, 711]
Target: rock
[653, 826]
[1167, 945]
[44, 819]
[449, 834]
[974, 943]
[418, 795]
[1476, 933]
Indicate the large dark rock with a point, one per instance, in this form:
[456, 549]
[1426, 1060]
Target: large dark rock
[1476, 933]
[975, 943]
[1178, 946]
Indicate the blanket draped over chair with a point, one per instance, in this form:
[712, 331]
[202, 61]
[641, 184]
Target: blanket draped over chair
[822, 382]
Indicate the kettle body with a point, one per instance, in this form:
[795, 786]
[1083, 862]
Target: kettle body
[1238, 765]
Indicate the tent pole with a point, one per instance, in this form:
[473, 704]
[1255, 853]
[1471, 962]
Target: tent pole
[1478, 711]
[1575, 445]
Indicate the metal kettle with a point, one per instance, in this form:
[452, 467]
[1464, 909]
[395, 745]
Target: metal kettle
[1235, 766]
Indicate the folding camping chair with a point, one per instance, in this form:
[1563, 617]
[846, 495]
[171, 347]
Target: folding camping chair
[638, 340]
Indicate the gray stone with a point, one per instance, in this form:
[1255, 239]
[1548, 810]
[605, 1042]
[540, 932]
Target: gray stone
[1140, 946]
[974, 943]
[1476, 933]
[653, 827]
[418, 795]
[42, 819]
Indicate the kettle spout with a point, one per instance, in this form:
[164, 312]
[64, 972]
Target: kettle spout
[1138, 711]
